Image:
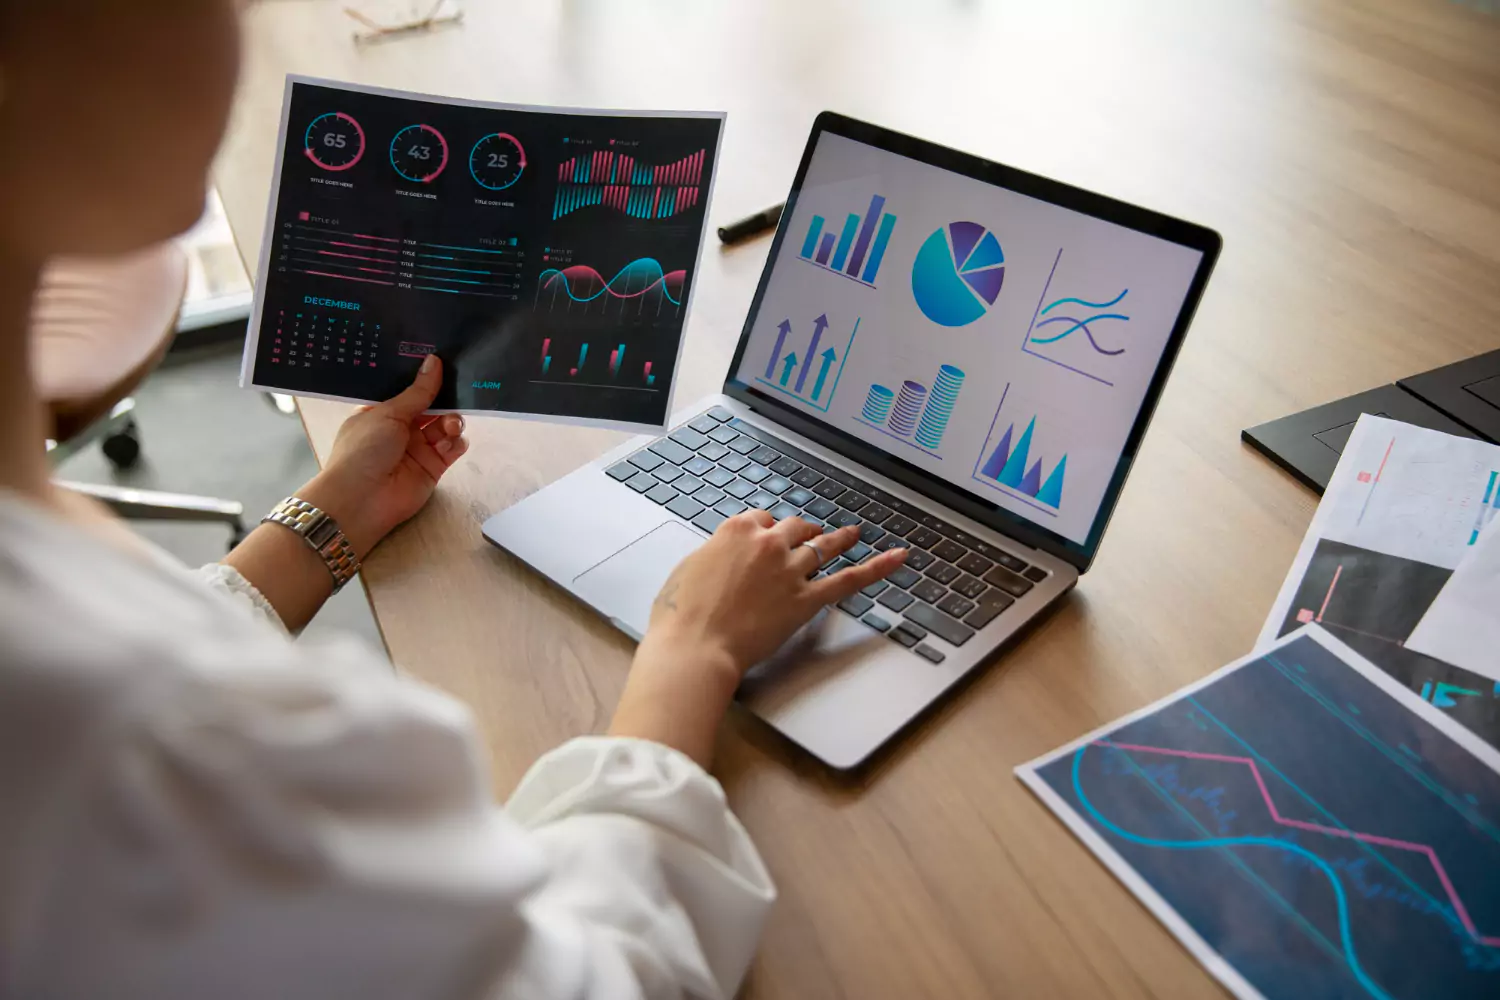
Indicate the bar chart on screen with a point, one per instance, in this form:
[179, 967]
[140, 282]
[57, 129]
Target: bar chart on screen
[914, 414]
[807, 359]
[858, 248]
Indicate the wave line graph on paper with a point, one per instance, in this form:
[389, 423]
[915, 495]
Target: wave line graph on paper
[642, 287]
[1057, 323]
[1454, 900]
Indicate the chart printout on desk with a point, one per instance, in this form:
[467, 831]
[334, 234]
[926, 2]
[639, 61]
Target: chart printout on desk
[547, 256]
[1405, 506]
[1303, 824]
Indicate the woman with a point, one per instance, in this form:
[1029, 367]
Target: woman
[194, 806]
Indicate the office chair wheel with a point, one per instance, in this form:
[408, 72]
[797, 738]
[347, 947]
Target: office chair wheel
[123, 447]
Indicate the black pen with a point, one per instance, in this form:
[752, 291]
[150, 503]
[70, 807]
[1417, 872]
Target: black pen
[755, 224]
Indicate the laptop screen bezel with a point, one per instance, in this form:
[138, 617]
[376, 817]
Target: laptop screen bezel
[1119, 213]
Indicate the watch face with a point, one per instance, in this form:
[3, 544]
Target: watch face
[419, 153]
[497, 161]
[334, 141]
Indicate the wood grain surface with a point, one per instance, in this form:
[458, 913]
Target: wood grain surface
[1348, 150]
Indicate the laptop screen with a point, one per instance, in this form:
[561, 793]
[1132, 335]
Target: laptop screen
[1001, 343]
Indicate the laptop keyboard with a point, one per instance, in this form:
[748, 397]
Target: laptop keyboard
[952, 584]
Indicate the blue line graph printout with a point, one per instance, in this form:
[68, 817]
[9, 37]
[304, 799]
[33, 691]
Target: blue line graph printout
[1303, 824]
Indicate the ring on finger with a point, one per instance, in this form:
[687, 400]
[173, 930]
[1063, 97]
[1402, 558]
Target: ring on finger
[816, 551]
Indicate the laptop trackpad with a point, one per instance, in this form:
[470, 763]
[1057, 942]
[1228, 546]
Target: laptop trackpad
[624, 585]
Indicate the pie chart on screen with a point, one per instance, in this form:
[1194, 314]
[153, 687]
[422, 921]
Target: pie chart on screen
[958, 273]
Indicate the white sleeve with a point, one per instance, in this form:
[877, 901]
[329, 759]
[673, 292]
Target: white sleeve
[312, 833]
[229, 582]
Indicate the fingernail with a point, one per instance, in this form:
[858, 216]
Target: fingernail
[461, 426]
[444, 446]
[429, 363]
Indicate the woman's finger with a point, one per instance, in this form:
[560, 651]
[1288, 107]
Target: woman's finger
[438, 428]
[834, 588]
[794, 531]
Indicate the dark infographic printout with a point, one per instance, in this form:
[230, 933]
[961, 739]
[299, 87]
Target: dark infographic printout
[546, 256]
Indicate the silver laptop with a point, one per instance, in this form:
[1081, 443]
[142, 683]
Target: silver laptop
[960, 358]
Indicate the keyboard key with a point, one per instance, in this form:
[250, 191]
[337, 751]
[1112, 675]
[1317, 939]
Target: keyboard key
[975, 564]
[874, 589]
[901, 635]
[969, 587]
[939, 624]
[755, 473]
[870, 533]
[942, 572]
[688, 484]
[894, 542]
[908, 634]
[709, 495]
[697, 465]
[876, 622]
[662, 493]
[719, 413]
[903, 576]
[926, 652]
[764, 455]
[949, 551]
[688, 438]
[621, 472]
[729, 507]
[829, 488]
[784, 510]
[955, 605]
[806, 477]
[704, 424]
[646, 460]
[852, 500]
[842, 518]
[709, 521]
[743, 445]
[762, 499]
[1011, 563]
[671, 451]
[990, 605]
[723, 435]
[1035, 574]
[930, 591]
[924, 538]
[918, 560]
[856, 605]
[713, 452]
[777, 485]
[821, 508]
[733, 462]
[667, 472]
[786, 466]
[875, 513]
[839, 564]
[797, 495]
[718, 477]
[1015, 586]
[858, 552]
[642, 482]
[899, 525]
[740, 489]
[685, 507]
[896, 600]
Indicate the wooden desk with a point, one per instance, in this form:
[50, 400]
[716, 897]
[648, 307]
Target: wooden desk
[1348, 151]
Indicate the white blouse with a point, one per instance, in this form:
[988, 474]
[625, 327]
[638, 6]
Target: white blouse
[192, 805]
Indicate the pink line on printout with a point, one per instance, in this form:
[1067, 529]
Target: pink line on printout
[1332, 831]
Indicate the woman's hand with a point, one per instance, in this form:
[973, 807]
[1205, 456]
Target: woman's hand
[728, 606]
[386, 461]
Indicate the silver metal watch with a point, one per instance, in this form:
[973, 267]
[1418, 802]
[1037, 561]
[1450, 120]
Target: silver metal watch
[321, 533]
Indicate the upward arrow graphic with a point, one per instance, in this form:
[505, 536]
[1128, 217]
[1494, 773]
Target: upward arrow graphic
[790, 362]
[782, 330]
[819, 325]
[828, 357]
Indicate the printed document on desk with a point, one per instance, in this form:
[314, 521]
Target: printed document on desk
[1463, 625]
[1403, 509]
[548, 256]
[1305, 825]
